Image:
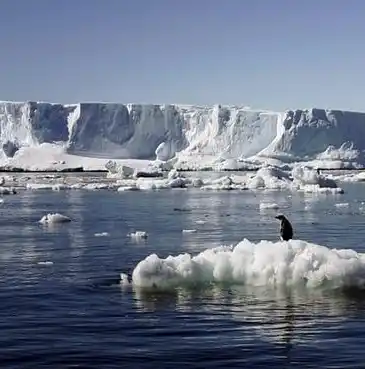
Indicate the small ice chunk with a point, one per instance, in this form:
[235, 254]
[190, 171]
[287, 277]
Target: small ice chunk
[189, 230]
[273, 206]
[127, 188]
[7, 190]
[102, 234]
[45, 263]
[173, 174]
[138, 234]
[124, 280]
[342, 205]
[53, 218]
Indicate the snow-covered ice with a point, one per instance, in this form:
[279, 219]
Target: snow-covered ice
[271, 264]
[301, 178]
[138, 235]
[101, 234]
[45, 262]
[342, 205]
[54, 218]
[7, 191]
[269, 206]
[45, 136]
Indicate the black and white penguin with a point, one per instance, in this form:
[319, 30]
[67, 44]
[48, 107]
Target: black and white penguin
[286, 229]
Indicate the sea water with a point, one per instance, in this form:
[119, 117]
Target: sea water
[62, 304]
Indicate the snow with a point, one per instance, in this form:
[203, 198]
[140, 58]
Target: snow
[45, 136]
[49, 156]
[296, 263]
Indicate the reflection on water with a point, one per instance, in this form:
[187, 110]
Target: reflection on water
[284, 317]
[23, 209]
[75, 201]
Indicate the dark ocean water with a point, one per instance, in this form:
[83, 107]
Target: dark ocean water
[61, 305]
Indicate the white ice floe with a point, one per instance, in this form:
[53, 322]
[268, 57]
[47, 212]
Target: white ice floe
[128, 188]
[308, 180]
[96, 186]
[47, 186]
[120, 171]
[269, 206]
[45, 262]
[342, 205]
[101, 234]
[53, 218]
[7, 191]
[349, 177]
[267, 178]
[138, 235]
[295, 263]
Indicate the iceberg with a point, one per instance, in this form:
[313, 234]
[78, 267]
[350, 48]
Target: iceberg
[40, 135]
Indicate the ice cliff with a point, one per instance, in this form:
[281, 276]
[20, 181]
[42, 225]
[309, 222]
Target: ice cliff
[189, 133]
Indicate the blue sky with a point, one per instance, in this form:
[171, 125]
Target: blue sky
[270, 54]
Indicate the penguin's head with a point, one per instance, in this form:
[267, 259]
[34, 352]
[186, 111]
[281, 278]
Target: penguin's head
[280, 217]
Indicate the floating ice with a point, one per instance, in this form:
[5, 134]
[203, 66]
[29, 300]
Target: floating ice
[342, 205]
[128, 188]
[148, 173]
[102, 234]
[349, 177]
[188, 230]
[293, 263]
[306, 176]
[7, 191]
[96, 186]
[264, 206]
[308, 180]
[138, 235]
[116, 170]
[53, 218]
[267, 178]
[124, 280]
[45, 263]
[47, 186]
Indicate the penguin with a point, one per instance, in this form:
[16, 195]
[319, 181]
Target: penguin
[286, 229]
